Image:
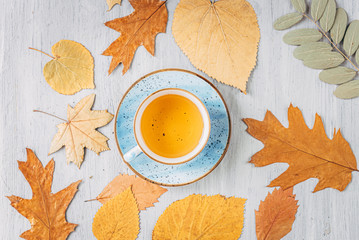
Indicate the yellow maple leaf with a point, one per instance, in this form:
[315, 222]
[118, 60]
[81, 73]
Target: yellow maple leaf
[79, 131]
[201, 217]
[112, 3]
[220, 38]
[118, 218]
[146, 193]
[71, 67]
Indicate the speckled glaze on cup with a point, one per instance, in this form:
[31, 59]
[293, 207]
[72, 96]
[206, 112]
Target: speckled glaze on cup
[212, 154]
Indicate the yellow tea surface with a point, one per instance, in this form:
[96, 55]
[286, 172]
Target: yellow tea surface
[171, 126]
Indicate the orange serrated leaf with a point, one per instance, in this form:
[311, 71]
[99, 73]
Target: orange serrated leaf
[118, 218]
[146, 193]
[309, 152]
[276, 214]
[201, 217]
[45, 211]
[138, 28]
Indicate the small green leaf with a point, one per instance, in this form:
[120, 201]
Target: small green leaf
[313, 47]
[357, 57]
[348, 90]
[337, 75]
[299, 5]
[323, 60]
[317, 8]
[351, 39]
[301, 36]
[287, 21]
[327, 20]
[339, 26]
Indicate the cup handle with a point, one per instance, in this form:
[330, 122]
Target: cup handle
[132, 154]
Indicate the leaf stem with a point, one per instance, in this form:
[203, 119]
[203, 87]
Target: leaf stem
[90, 200]
[42, 52]
[334, 45]
[50, 115]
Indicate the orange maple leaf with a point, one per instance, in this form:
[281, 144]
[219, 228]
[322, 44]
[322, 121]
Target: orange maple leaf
[276, 214]
[139, 28]
[45, 211]
[309, 152]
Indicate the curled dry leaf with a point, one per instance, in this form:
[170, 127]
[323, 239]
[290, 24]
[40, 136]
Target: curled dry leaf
[201, 217]
[287, 21]
[309, 152]
[146, 193]
[71, 67]
[118, 218]
[138, 28]
[79, 131]
[220, 38]
[45, 210]
[276, 214]
[112, 3]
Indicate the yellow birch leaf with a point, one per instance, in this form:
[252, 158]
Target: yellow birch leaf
[201, 217]
[71, 67]
[220, 38]
[112, 3]
[79, 131]
[118, 218]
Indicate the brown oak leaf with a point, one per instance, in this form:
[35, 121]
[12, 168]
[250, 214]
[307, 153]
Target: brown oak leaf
[309, 152]
[46, 210]
[146, 193]
[276, 214]
[139, 28]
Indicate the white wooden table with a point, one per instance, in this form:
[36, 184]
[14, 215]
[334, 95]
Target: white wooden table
[278, 80]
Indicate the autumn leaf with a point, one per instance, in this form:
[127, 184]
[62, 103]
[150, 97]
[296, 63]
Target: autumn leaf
[45, 210]
[71, 67]
[146, 193]
[138, 28]
[201, 217]
[79, 131]
[309, 152]
[220, 38]
[276, 214]
[118, 218]
[112, 3]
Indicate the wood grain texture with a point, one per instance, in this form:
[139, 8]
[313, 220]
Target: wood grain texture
[278, 80]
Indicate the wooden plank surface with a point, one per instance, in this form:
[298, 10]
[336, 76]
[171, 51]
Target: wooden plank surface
[278, 80]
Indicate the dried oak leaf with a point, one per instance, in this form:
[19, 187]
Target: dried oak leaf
[71, 67]
[146, 193]
[112, 3]
[118, 218]
[309, 152]
[79, 131]
[201, 217]
[276, 214]
[138, 28]
[45, 211]
[220, 38]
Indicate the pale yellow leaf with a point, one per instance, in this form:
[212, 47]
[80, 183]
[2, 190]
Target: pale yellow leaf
[112, 3]
[201, 217]
[71, 69]
[118, 218]
[80, 131]
[220, 38]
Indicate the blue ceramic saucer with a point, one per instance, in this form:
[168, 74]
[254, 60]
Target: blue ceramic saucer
[212, 154]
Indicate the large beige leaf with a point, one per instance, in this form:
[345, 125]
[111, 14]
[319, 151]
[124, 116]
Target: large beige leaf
[71, 67]
[201, 217]
[80, 131]
[220, 38]
[118, 218]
